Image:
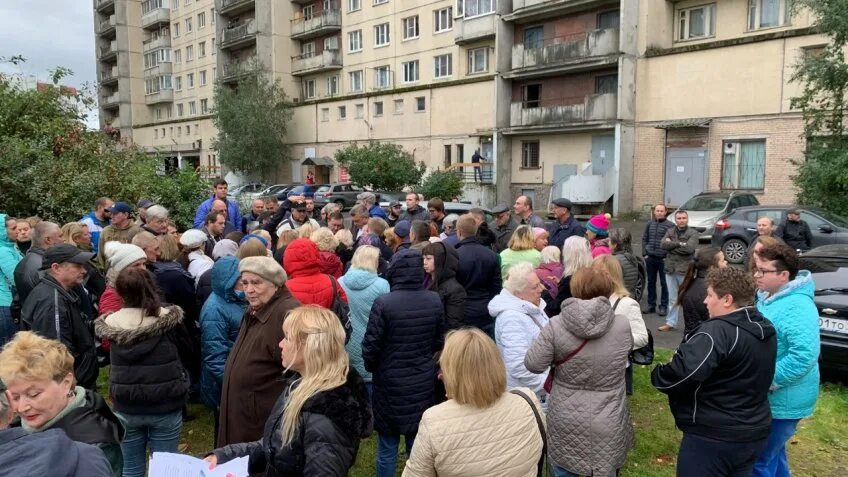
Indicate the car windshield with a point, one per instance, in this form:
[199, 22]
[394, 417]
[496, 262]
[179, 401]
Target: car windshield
[836, 220]
[705, 203]
[323, 188]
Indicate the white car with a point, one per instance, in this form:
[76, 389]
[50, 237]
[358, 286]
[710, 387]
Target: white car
[707, 207]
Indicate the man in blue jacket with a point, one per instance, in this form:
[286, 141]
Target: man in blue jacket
[98, 219]
[565, 225]
[219, 191]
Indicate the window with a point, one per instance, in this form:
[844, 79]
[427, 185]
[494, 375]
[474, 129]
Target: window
[190, 80]
[178, 83]
[378, 108]
[473, 8]
[410, 71]
[203, 78]
[192, 107]
[460, 153]
[380, 2]
[420, 104]
[460, 8]
[308, 12]
[179, 131]
[152, 59]
[156, 133]
[767, 13]
[188, 25]
[698, 22]
[443, 19]
[332, 86]
[381, 35]
[382, 77]
[443, 67]
[331, 43]
[158, 113]
[188, 128]
[178, 56]
[307, 50]
[212, 16]
[355, 78]
[744, 165]
[360, 111]
[410, 27]
[204, 106]
[354, 5]
[201, 20]
[176, 30]
[534, 37]
[309, 89]
[325, 114]
[609, 19]
[189, 53]
[398, 106]
[532, 95]
[187, 2]
[201, 49]
[529, 154]
[478, 60]
[606, 84]
[354, 41]
[180, 110]
[342, 112]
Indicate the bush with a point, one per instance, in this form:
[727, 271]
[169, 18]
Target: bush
[444, 184]
[382, 166]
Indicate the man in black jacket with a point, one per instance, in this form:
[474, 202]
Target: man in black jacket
[54, 310]
[719, 379]
[479, 273]
[796, 232]
[28, 272]
[655, 259]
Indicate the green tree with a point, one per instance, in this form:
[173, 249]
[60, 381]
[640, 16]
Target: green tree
[444, 184]
[382, 166]
[252, 119]
[823, 175]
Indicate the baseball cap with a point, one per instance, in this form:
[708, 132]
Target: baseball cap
[65, 253]
[144, 203]
[394, 203]
[121, 207]
[402, 229]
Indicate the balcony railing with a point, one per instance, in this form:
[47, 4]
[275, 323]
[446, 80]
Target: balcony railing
[107, 27]
[161, 96]
[111, 101]
[235, 6]
[312, 63]
[325, 22]
[233, 71]
[475, 28]
[163, 68]
[543, 8]
[109, 53]
[163, 41]
[109, 75]
[564, 51]
[473, 172]
[156, 17]
[593, 108]
[239, 34]
[102, 5]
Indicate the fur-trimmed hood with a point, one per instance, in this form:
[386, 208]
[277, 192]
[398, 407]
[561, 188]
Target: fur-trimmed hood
[126, 327]
[348, 406]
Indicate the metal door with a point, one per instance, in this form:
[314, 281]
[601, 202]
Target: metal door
[603, 153]
[685, 171]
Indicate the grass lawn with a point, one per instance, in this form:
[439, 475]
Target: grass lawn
[820, 448]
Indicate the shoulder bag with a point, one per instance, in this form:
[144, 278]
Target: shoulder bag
[341, 309]
[541, 465]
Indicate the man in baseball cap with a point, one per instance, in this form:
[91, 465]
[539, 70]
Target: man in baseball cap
[122, 229]
[565, 225]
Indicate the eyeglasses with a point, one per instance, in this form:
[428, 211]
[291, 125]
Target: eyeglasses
[758, 272]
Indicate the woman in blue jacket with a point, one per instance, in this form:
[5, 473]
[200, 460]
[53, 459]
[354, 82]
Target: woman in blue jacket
[785, 297]
[9, 258]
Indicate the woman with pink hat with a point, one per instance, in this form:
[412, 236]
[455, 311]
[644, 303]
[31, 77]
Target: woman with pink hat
[597, 232]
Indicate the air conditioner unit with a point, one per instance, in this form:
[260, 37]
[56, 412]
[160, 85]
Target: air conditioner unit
[730, 148]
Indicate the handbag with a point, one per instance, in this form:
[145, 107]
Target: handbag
[645, 354]
[541, 466]
[341, 309]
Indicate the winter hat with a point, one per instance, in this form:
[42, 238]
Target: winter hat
[402, 229]
[224, 248]
[599, 224]
[122, 255]
[193, 238]
[538, 232]
[265, 267]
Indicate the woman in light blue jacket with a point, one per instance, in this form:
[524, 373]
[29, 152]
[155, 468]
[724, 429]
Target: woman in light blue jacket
[9, 258]
[362, 286]
[785, 297]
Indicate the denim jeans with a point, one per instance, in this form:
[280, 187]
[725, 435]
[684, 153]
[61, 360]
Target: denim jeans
[673, 281]
[772, 461]
[161, 432]
[7, 325]
[705, 457]
[560, 472]
[656, 270]
[387, 452]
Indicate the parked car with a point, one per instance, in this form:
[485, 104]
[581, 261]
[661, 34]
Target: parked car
[386, 198]
[342, 193]
[707, 207]
[283, 193]
[735, 230]
[457, 208]
[827, 258]
[306, 190]
[832, 303]
[249, 189]
[272, 190]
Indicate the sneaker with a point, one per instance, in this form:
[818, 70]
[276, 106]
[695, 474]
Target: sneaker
[665, 328]
[649, 309]
[662, 310]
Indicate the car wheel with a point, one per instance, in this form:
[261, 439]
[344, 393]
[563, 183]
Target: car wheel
[734, 251]
[340, 203]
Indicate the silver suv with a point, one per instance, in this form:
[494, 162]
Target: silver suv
[342, 193]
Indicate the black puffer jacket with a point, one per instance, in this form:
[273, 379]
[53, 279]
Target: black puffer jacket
[147, 375]
[450, 291]
[28, 272]
[553, 306]
[176, 287]
[718, 381]
[652, 237]
[479, 272]
[694, 310]
[327, 439]
[405, 330]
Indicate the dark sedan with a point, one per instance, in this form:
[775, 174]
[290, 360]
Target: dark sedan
[832, 303]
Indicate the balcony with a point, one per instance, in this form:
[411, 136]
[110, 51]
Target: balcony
[328, 21]
[107, 27]
[163, 41]
[161, 96]
[109, 75]
[307, 64]
[533, 10]
[302, 2]
[111, 102]
[239, 36]
[156, 18]
[594, 111]
[232, 7]
[109, 54]
[569, 54]
[470, 172]
[473, 29]
[236, 70]
[164, 68]
[104, 6]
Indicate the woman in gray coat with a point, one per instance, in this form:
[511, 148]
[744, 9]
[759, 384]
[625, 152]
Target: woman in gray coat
[589, 429]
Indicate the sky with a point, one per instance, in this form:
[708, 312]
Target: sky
[50, 33]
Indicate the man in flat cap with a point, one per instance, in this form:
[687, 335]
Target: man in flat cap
[565, 225]
[503, 226]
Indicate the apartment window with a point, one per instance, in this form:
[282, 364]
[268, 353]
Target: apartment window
[534, 37]
[158, 113]
[187, 2]
[443, 19]
[529, 154]
[382, 77]
[178, 83]
[381, 35]
[188, 25]
[355, 78]
[203, 78]
[201, 49]
[309, 89]
[201, 20]
[768, 13]
[609, 19]
[410, 27]
[178, 56]
[190, 80]
[606, 84]
[460, 8]
[697, 22]
[360, 111]
[176, 30]
[325, 114]
[398, 106]
[179, 131]
[378, 108]
[189, 53]
[331, 43]
[460, 153]
[478, 60]
[150, 5]
[354, 5]
[204, 106]
[380, 2]
[531, 95]
[333, 86]
[473, 8]
[192, 108]
[212, 16]
[447, 155]
[308, 12]
[180, 110]
[155, 134]
[743, 165]
[410, 71]
[420, 104]
[442, 66]
[342, 112]
[307, 50]
[354, 41]
[188, 128]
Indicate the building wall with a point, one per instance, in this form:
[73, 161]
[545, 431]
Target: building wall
[553, 149]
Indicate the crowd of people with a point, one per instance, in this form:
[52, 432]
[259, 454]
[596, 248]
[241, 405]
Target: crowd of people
[501, 348]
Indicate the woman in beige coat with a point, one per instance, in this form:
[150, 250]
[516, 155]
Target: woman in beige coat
[588, 415]
[482, 429]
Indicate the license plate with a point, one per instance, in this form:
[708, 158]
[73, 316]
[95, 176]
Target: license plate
[835, 325]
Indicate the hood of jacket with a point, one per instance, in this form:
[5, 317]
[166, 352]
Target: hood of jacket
[347, 406]
[92, 422]
[446, 262]
[587, 319]
[225, 274]
[406, 270]
[749, 319]
[802, 285]
[5, 241]
[505, 301]
[124, 327]
[301, 258]
[359, 279]
[328, 261]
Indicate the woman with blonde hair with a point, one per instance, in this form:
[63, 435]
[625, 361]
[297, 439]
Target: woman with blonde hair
[480, 419]
[328, 261]
[317, 423]
[575, 255]
[521, 248]
[77, 234]
[305, 230]
[286, 237]
[251, 247]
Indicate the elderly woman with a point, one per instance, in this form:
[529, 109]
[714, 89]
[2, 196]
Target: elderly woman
[251, 377]
[632, 266]
[193, 242]
[587, 348]
[482, 429]
[328, 261]
[540, 236]
[521, 248]
[38, 373]
[519, 314]
[305, 281]
[157, 220]
[550, 269]
[575, 255]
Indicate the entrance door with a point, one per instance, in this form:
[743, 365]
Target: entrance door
[685, 171]
[603, 153]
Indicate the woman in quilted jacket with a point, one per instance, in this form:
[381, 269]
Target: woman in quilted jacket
[306, 282]
[589, 428]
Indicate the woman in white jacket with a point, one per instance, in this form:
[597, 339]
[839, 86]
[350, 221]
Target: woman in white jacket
[626, 307]
[519, 314]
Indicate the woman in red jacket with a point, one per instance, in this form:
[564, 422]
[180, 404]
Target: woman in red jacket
[305, 280]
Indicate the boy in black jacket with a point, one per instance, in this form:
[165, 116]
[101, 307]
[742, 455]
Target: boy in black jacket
[718, 381]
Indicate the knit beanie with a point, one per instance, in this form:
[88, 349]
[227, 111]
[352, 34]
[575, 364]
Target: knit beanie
[265, 267]
[224, 248]
[121, 255]
[193, 238]
[599, 224]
